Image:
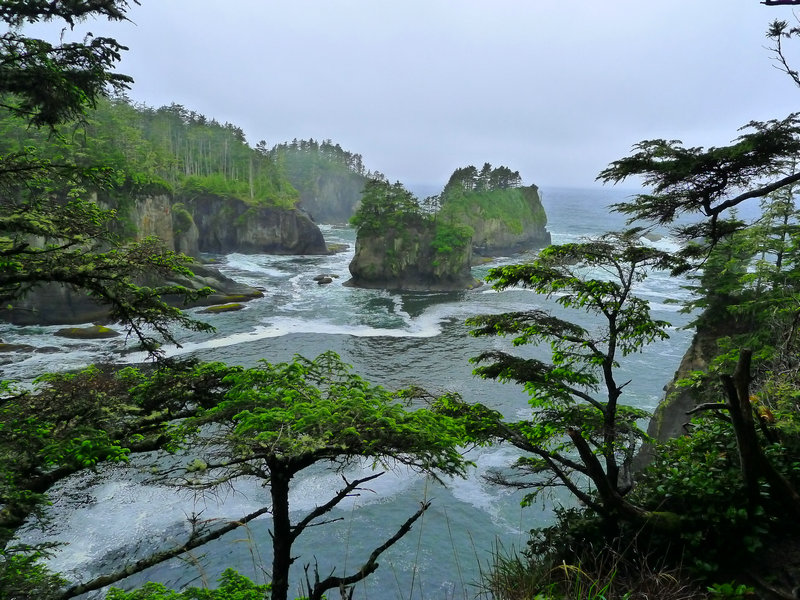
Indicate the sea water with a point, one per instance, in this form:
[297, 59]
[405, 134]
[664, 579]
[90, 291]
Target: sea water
[393, 339]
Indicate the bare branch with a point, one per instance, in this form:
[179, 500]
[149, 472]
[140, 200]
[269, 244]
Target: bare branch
[158, 557]
[340, 495]
[708, 406]
[320, 587]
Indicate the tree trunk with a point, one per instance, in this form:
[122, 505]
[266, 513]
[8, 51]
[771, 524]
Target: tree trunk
[754, 463]
[281, 532]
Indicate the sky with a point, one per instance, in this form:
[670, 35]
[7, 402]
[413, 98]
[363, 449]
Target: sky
[556, 90]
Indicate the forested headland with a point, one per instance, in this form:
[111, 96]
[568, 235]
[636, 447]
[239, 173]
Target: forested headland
[405, 242]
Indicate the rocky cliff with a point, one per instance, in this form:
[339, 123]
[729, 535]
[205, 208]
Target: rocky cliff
[408, 258]
[504, 221]
[223, 225]
[202, 224]
[55, 304]
[670, 419]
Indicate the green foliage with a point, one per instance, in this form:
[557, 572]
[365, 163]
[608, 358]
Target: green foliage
[751, 275]
[44, 240]
[329, 179]
[731, 591]
[450, 238]
[160, 150]
[22, 575]
[468, 179]
[686, 180]
[46, 83]
[698, 477]
[567, 415]
[233, 586]
[73, 421]
[275, 420]
[318, 409]
[385, 206]
[514, 207]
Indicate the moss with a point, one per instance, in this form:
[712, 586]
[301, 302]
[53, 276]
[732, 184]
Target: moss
[514, 207]
[87, 333]
[241, 297]
[15, 347]
[220, 308]
[182, 220]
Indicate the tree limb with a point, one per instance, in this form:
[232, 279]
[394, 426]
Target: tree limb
[298, 528]
[320, 587]
[159, 557]
[758, 192]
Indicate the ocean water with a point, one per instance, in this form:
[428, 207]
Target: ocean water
[394, 339]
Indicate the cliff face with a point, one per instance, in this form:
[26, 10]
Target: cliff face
[494, 238]
[225, 225]
[408, 260]
[205, 224]
[670, 418]
[55, 304]
[152, 216]
[220, 225]
[504, 221]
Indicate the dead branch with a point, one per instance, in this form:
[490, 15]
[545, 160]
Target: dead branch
[195, 541]
[369, 567]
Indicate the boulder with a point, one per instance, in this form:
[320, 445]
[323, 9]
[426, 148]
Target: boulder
[54, 304]
[15, 347]
[221, 308]
[95, 332]
[406, 259]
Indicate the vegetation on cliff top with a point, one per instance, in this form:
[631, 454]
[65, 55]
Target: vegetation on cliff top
[472, 196]
[150, 150]
[392, 220]
[330, 180]
[449, 220]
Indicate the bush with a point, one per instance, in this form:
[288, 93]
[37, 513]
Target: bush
[233, 586]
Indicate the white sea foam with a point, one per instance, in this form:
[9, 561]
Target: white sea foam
[252, 263]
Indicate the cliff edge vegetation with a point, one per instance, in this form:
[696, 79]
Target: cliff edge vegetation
[407, 243]
[399, 246]
[506, 216]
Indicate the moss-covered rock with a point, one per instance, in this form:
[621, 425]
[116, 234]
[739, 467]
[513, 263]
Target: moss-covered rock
[95, 332]
[15, 347]
[504, 221]
[221, 308]
[409, 258]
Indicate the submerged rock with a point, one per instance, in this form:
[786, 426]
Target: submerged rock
[15, 347]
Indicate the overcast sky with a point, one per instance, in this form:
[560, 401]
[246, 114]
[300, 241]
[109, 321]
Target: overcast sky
[555, 89]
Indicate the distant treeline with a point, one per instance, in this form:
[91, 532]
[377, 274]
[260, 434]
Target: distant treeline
[179, 150]
[325, 154]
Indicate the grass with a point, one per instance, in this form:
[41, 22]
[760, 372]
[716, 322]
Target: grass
[602, 574]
